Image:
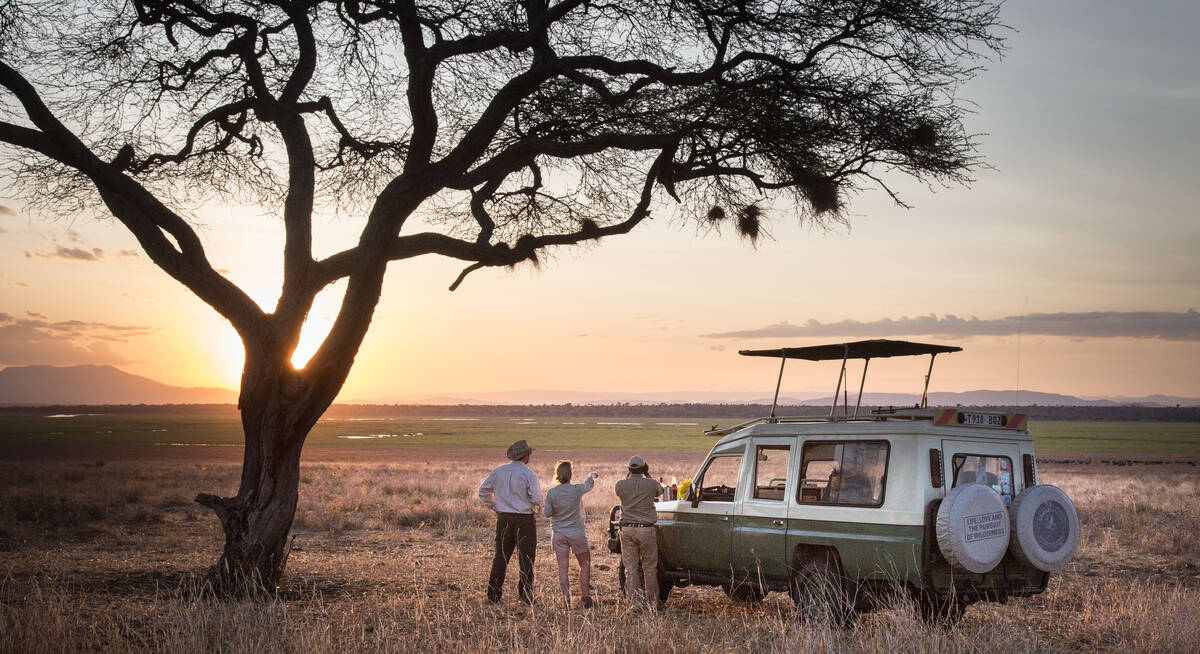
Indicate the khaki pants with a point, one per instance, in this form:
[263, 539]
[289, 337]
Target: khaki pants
[639, 553]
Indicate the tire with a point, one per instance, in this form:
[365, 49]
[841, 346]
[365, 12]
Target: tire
[1045, 528]
[744, 592]
[664, 583]
[973, 528]
[664, 586]
[819, 592]
[940, 610]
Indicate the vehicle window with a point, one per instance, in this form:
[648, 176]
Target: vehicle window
[719, 481]
[852, 472]
[770, 471]
[994, 471]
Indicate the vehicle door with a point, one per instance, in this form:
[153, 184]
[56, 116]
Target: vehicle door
[982, 462]
[704, 529]
[760, 523]
[840, 493]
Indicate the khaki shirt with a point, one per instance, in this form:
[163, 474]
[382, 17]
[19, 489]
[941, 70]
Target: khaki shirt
[637, 499]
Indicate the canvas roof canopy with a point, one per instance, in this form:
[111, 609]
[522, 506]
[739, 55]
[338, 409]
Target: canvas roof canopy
[873, 349]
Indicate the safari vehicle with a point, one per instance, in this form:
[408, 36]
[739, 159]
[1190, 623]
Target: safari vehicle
[844, 511]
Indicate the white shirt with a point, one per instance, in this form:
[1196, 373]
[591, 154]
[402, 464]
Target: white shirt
[511, 488]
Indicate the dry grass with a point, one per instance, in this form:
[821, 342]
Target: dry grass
[392, 555]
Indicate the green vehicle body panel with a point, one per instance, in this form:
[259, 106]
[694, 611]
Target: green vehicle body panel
[691, 541]
[867, 551]
[760, 547]
[695, 541]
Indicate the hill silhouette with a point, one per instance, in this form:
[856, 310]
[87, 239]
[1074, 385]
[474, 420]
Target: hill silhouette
[94, 385]
[91, 384]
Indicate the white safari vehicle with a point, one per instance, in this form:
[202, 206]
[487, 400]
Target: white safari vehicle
[846, 510]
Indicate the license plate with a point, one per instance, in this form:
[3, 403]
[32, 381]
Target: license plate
[983, 419]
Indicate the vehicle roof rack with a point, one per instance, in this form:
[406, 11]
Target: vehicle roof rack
[871, 349]
[943, 417]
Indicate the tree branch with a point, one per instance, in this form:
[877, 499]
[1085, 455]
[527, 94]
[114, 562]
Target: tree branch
[143, 214]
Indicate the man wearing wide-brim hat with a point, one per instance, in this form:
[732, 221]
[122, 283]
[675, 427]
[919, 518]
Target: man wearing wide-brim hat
[514, 493]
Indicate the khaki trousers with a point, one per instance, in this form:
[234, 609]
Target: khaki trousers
[639, 553]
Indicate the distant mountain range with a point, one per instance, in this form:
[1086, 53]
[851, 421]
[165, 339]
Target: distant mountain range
[48, 385]
[80, 385]
[968, 398]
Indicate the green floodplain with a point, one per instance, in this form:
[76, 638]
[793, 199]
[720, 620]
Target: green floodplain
[1051, 437]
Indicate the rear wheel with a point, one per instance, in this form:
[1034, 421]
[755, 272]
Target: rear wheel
[819, 592]
[940, 610]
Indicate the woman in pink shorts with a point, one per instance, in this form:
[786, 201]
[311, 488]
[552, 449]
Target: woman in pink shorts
[564, 507]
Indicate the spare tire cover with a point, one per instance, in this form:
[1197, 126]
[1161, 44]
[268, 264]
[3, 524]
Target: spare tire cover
[972, 528]
[1045, 528]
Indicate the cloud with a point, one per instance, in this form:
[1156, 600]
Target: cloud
[1161, 325]
[34, 314]
[6, 211]
[76, 254]
[127, 253]
[3, 231]
[81, 329]
[37, 341]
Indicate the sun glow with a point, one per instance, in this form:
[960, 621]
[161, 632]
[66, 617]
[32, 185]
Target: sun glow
[311, 336]
[231, 354]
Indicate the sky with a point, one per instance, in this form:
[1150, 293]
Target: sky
[1069, 266]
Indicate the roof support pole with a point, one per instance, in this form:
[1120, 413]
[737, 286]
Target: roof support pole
[866, 363]
[925, 393]
[838, 388]
[774, 402]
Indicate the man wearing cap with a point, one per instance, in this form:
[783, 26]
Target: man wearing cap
[639, 540]
[514, 493]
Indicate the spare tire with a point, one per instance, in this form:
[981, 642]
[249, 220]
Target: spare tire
[1045, 528]
[972, 528]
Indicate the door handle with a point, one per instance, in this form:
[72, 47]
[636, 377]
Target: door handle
[777, 523]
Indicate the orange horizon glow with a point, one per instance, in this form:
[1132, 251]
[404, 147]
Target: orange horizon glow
[1063, 221]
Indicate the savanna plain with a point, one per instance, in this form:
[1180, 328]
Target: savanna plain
[102, 548]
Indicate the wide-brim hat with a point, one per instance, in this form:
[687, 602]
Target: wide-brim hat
[636, 463]
[518, 449]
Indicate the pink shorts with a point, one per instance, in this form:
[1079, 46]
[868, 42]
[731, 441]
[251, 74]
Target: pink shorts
[561, 543]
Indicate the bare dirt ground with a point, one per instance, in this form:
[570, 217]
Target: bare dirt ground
[101, 548]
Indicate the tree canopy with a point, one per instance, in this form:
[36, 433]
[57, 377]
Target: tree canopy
[482, 130]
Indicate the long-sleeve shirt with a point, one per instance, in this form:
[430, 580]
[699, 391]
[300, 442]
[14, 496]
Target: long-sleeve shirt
[511, 488]
[564, 507]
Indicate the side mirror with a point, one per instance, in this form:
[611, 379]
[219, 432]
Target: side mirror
[694, 495]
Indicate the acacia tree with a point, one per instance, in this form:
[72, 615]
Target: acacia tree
[482, 130]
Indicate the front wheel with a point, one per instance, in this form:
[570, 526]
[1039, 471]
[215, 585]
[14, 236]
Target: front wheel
[664, 583]
[819, 594]
[746, 592]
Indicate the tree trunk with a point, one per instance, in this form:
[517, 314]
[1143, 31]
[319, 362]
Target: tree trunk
[279, 407]
[258, 519]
